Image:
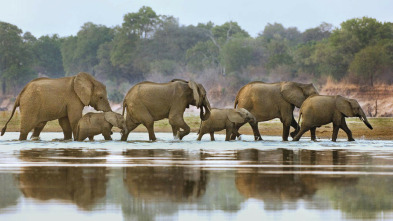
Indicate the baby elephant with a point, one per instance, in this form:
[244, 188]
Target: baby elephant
[92, 124]
[225, 119]
[322, 109]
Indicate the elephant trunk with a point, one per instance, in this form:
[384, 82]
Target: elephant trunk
[206, 106]
[364, 119]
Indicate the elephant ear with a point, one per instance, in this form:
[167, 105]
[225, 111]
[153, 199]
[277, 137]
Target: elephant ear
[292, 93]
[83, 87]
[236, 116]
[111, 117]
[344, 106]
[195, 92]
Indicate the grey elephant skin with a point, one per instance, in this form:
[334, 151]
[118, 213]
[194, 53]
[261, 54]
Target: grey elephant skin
[267, 101]
[221, 119]
[320, 110]
[46, 99]
[147, 102]
[92, 124]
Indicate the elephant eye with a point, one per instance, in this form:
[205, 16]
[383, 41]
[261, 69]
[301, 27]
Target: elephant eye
[101, 97]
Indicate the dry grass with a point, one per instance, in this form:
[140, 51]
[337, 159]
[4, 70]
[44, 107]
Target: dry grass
[382, 127]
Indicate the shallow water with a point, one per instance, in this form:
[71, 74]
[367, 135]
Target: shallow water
[190, 180]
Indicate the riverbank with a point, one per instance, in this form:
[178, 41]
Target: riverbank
[382, 127]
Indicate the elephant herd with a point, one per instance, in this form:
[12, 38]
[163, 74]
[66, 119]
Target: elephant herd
[46, 99]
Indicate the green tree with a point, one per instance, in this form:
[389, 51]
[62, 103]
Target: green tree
[369, 63]
[237, 54]
[15, 60]
[143, 23]
[48, 58]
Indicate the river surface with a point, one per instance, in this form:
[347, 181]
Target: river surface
[190, 180]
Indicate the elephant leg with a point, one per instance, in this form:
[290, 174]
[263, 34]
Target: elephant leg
[237, 127]
[66, 127]
[174, 131]
[91, 138]
[150, 129]
[179, 122]
[335, 132]
[73, 117]
[303, 129]
[25, 127]
[130, 127]
[228, 131]
[107, 134]
[312, 131]
[296, 126]
[345, 128]
[257, 135]
[212, 136]
[38, 129]
[200, 135]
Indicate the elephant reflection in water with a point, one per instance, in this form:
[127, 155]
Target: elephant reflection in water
[83, 186]
[169, 183]
[279, 187]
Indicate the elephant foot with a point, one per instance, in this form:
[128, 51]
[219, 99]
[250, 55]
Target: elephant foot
[258, 138]
[35, 138]
[293, 134]
[176, 137]
[351, 139]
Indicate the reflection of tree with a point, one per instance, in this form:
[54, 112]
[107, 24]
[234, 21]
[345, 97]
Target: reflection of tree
[368, 198]
[278, 185]
[83, 186]
[160, 189]
[9, 193]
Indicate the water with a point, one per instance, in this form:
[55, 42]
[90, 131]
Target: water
[190, 180]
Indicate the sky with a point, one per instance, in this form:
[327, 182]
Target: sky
[65, 17]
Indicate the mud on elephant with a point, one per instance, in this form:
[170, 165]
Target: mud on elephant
[46, 99]
[323, 109]
[147, 102]
[267, 101]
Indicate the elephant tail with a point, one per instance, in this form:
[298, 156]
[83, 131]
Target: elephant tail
[236, 100]
[298, 120]
[124, 107]
[17, 103]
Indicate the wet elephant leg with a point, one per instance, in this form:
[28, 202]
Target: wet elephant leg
[302, 130]
[178, 121]
[25, 127]
[237, 127]
[312, 131]
[130, 127]
[91, 138]
[150, 129]
[66, 127]
[174, 130]
[228, 131]
[345, 128]
[335, 132]
[296, 126]
[257, 135]
[38, 129]
[200, 136]
[212, 136]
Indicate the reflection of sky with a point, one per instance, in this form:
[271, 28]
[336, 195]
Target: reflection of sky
[252, 209]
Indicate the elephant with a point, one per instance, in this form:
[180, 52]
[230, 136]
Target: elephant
[267, 101]
[224, 119]
[46, 99]
[323, 109]
[96, 123]
[147, 102]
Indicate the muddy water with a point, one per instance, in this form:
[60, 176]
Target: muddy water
[190, 180]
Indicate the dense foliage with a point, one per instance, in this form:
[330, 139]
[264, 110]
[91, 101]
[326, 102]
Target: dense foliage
[147, 46]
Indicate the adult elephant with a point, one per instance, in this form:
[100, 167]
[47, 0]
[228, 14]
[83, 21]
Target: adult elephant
[46, 99]
[324, 109]
[267, 101]
[147, 102]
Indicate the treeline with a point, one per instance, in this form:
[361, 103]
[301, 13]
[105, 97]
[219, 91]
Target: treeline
[147, 46]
